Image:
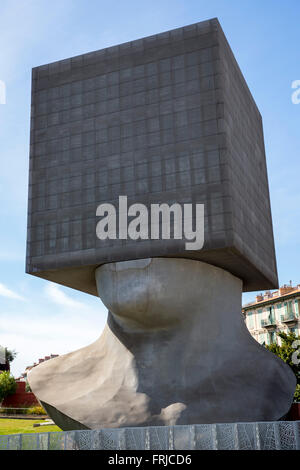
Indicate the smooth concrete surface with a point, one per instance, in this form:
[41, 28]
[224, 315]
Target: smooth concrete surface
[163, 119]
[175, 351]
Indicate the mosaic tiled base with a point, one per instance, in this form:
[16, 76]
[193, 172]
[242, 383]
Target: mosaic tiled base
[280, 435]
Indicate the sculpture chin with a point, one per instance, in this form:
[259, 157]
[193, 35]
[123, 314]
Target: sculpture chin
[144, 294]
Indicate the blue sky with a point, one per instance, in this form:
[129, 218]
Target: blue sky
[38, 318]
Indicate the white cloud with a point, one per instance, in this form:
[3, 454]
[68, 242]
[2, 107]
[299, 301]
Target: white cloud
[6, 292]
[55, 293]
[39, 330]
[37, 337]
[53, 322]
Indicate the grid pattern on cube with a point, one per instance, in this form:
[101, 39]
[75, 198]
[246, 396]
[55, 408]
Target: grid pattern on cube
[157, 120]
[135, 130]
[247, 165]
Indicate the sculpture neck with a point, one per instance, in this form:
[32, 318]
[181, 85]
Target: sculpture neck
[198, 331]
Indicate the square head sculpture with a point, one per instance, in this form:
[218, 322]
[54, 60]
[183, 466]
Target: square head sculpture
[164, 119]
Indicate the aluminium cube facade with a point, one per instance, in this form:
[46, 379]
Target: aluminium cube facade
[167, 118]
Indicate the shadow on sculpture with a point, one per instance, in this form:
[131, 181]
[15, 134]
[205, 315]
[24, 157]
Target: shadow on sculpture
[175, 350]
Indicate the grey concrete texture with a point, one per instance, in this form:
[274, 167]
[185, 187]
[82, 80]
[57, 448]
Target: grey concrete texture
[175, 351]
[167, 118]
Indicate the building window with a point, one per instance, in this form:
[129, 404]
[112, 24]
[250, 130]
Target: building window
[288, 307]
[272, 337]
[272, 317]
[297, 307]
[250, 320]
[259, 313]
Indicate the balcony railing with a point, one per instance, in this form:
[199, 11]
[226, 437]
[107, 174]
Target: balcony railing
[269, 322]
[288, 318]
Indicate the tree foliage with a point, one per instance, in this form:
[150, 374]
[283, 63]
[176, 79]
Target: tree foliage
[289, 352]
[10, 355]
[8, 385]
[297, 394]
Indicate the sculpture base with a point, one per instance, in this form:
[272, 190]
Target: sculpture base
[280, 435]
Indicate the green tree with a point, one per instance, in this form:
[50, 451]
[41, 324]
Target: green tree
[289, 352]
[297, 394]
[8, 385]
[10, 355]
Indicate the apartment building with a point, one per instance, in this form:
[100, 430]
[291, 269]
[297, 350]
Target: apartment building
[272, 312]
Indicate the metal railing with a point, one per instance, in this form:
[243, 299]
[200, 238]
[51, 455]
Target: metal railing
[288, 317]
[268, 322]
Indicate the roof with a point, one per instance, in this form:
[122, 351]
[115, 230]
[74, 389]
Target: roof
[274, 299]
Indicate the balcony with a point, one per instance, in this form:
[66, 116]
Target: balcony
[288, 318]
[269, 322]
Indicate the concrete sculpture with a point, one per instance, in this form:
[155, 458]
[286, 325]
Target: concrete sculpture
[175, 350]
[164, 119]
